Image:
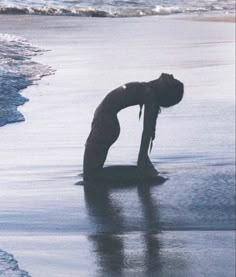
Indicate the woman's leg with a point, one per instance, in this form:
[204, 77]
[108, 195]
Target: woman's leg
[94, 158]
[104, 133]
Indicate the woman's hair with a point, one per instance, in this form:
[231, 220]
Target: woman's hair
[169, 91]
[153, 123]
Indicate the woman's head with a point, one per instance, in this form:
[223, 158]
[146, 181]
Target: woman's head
[168, 90]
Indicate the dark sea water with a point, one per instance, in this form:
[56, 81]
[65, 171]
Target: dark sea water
[114, 8]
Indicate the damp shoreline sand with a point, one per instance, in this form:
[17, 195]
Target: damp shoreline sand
[228, 18]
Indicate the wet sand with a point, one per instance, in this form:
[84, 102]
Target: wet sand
[184, 227]
[227, 18]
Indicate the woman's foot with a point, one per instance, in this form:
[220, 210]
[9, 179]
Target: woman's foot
[148, 170]
[151, 171]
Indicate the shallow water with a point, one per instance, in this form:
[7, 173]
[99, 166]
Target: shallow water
[173, 227]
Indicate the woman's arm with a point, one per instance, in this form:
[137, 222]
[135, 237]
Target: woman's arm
[149, 125]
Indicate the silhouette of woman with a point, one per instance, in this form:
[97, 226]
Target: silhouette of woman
[162, 92]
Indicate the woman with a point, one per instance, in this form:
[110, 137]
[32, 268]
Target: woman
[163, 92]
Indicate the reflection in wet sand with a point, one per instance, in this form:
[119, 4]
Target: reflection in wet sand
[152, 244]
[118, 252]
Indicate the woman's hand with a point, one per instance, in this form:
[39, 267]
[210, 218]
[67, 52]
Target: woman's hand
[146, 166]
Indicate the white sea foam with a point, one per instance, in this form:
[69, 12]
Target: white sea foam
[9, 266]
[111, 8]
[17, 71]
[167, 10]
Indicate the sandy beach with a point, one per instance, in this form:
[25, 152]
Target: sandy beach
[184, 227]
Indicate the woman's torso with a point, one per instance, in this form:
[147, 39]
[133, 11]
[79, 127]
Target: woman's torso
[124, 96]
[105, 124]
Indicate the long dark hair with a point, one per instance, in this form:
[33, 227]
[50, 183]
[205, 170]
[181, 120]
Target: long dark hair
[157, 112]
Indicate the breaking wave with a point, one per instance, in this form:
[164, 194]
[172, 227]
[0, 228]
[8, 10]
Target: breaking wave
[9, 266]
[17, 71]
[108, 12]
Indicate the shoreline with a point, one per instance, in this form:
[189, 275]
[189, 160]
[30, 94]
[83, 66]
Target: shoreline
[215, 17]
[211, 18]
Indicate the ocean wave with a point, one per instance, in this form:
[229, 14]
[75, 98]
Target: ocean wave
[106, 12]
[160, 10]
[17, 71]
[9, 266]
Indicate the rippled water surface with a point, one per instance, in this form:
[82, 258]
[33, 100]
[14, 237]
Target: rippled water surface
[115, 8]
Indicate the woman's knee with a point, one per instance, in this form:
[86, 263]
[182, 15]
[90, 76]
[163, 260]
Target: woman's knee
[94, 159]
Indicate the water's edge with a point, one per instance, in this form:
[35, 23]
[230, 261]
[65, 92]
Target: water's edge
[9, 266]
[17, 72]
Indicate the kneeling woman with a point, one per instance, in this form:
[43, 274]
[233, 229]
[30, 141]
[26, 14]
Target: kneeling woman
[163, 92]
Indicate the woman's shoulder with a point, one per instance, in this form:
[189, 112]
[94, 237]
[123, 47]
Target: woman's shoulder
[135, 85]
